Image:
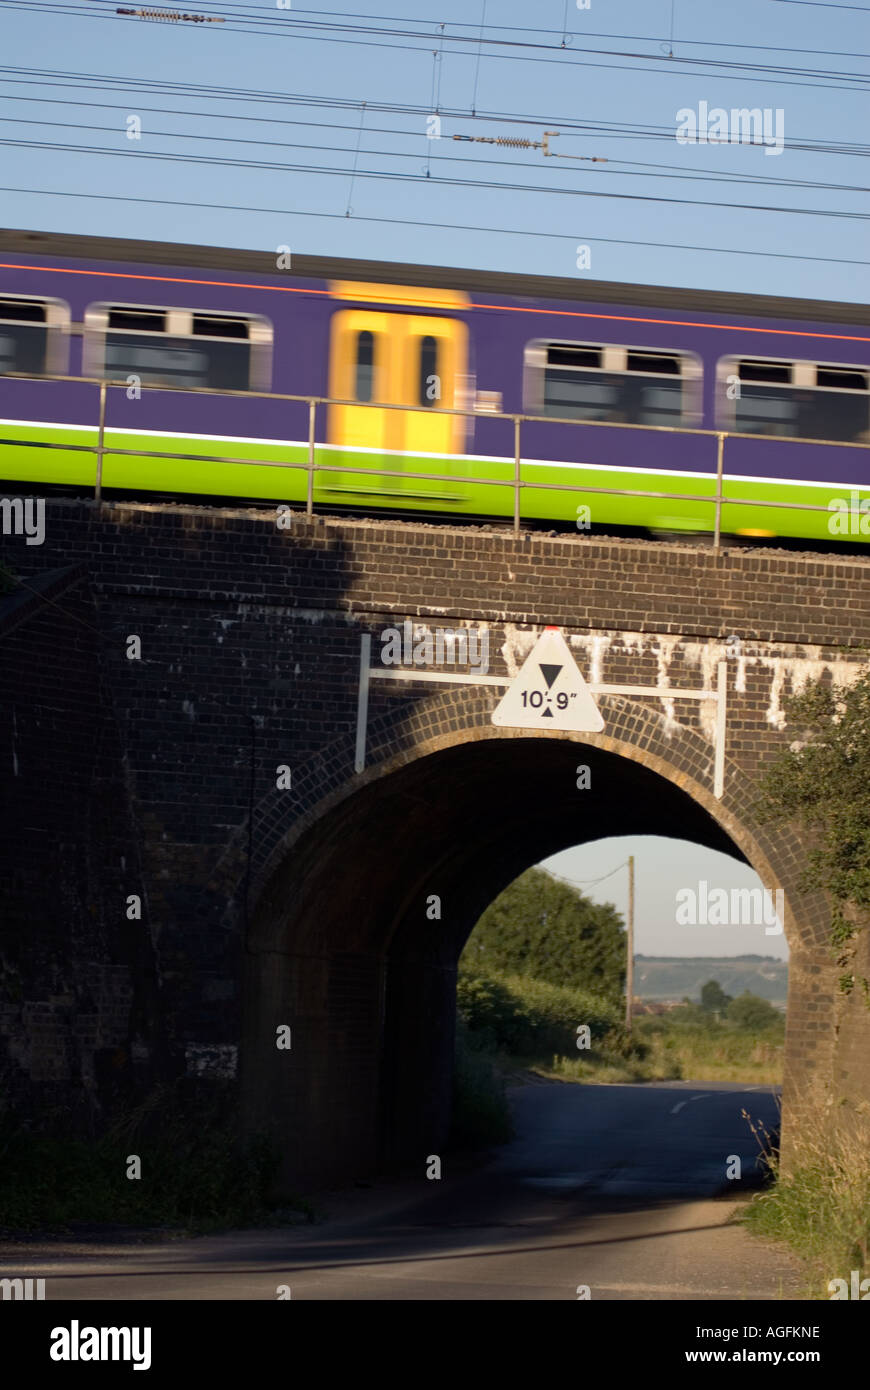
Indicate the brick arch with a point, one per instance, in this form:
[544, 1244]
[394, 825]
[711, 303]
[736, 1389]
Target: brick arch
[338, 943]
[461, 715]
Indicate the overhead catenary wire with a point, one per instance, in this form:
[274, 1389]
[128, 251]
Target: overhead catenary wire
[289, 28]
[445, 181]
[619, 166]
[619, 169]
[438, 226]
[323, 15]
[615, 130]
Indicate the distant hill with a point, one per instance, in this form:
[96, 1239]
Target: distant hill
[678, 977]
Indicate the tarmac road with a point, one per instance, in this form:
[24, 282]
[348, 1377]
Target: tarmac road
[621, 1189]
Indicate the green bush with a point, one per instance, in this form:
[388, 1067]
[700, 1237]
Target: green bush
[532, 1018]
[542, 928]
[752, 1012]
[195, 1174]
[481, 1114]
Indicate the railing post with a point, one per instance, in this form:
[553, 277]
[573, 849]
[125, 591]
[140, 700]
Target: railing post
[101, 431]
[309, 502]
[717, 525]
[719, 740]
[517, 475]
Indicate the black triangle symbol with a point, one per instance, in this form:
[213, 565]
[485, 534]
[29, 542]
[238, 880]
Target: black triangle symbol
[549, 673]
[548, 714]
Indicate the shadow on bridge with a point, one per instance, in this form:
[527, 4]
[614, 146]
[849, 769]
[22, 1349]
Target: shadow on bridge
[346, 948]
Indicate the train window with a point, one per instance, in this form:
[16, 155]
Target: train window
[619, 385]
[764, 371]
[365, 366]
[648, 362]
[800, 400]
[218, 326]
[137, 320]
[428, 372]
[840, 380]
[570, 355]
[33, 336]
[178, 347]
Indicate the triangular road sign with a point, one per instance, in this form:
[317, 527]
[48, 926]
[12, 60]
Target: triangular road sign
[549, 692]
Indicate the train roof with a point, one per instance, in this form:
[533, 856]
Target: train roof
[98, 248]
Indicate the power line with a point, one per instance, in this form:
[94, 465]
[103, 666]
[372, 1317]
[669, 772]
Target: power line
[291, 28]
[585, 882]
[186, 90]
[322, 15]
[623, 168]
[587, 33]
[443, 181]
[819, 5]
[438, 226]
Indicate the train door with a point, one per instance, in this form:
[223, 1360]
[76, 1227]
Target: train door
[383, 359]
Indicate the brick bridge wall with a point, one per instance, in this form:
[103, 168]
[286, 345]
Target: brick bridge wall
[306, 905]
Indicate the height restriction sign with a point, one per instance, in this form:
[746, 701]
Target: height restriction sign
[549, 692]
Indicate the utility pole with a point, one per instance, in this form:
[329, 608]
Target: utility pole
[629, 965]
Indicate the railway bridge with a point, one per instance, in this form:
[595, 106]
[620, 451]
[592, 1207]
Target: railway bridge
[225, 832]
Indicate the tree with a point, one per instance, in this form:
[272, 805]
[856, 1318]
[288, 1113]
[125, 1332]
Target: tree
[821, 784]
[752, 1012]
[547, 929]
[713, 997]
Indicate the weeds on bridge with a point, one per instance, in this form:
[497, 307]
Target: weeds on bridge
[820, 784]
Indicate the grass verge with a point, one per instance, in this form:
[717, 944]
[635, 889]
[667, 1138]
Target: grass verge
[819, 1204]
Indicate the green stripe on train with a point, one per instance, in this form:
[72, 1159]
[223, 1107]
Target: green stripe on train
[463, 492]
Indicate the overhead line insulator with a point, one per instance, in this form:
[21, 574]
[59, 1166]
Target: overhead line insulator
[173, 17]
[518, 143]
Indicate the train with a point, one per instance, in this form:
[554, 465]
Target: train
[448, 393]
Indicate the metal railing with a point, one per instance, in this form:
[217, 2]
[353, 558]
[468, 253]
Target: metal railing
[310, 466]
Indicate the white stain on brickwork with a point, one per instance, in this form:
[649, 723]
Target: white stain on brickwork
[516, 647]
[268, 613]
[787, 672]
[664, 652]
[596, 649]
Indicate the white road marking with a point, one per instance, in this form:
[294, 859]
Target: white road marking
[678, 1107]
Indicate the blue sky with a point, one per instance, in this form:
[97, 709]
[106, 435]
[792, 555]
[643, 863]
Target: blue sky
[319, 76]
[662, 869]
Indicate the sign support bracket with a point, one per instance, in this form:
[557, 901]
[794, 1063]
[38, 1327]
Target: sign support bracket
[368, 673]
